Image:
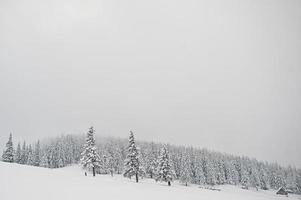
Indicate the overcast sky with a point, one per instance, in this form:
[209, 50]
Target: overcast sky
[225, 75]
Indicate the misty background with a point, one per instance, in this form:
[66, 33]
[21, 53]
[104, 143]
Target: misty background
[223, 75]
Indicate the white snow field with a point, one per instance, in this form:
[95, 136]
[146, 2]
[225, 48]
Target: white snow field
[31, 183]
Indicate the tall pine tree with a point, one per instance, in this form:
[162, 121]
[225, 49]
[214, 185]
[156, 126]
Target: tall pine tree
[8, 153]
[132, 163]
[23, 154]
[151, 161]
[185, 176]
[165, 171]
[37, 154]
[30, 160]
[18, 154]
[90, 159]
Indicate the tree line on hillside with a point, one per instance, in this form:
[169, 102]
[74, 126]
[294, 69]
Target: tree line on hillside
[161, 162]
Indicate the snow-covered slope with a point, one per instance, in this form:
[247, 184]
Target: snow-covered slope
[30, 183]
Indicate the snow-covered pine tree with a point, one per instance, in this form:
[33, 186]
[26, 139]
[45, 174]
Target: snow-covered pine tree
[37, 154]
[193, 167]
[112, 157]
[291, 179]
[245, 178]
[254, 176]
[120, 156]
[176, 158]
[185, 176]
[44, 160]
[23, 154]
[279, 178]
[104, 165]
[30, 160]
[8, 153]
[110, 165]
[232, 175]
[264, 179]
[90, 159]
[209, 170]
[220, 171]
[165, 171]
[198, 168]
[18, 154]
[132, 163]
[151, 161]
[228, 173]
[201, 179]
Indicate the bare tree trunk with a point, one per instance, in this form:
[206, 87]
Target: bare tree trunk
[93, 171]
[136, 178]
[169, 183]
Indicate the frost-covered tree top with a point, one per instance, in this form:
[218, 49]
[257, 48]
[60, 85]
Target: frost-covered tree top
[8, 154]
[90, 158]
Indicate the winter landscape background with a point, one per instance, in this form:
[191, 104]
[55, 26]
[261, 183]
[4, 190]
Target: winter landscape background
[190, 99]
[209, 175]
[190, 165]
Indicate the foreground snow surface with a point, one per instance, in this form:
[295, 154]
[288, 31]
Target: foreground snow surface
[30, 183]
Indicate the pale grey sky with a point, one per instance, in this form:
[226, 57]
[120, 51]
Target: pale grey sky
[220, 74]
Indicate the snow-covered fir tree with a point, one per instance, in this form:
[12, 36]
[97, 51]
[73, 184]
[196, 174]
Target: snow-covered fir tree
[220, 171]
[291, 178]
[37, 154]
[279, 178]
[209, 170]
[110, 165]
[185, 176]
[104, 166]
[245, 178]
[8, 153]
[254, 176]
[165, 171]
[201, 179]
[18, 154]
[232, 176]
[132, 163]
[24, 154]
[44, 161]
[264, 179]
[90, 159]
[176, 159]
[151, 161]
[30, 160]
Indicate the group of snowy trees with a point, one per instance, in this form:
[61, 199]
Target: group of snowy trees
[153, 160]
[25, 155]
[133, 164]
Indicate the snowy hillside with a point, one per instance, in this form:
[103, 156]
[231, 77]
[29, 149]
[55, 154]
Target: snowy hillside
[30, 183]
